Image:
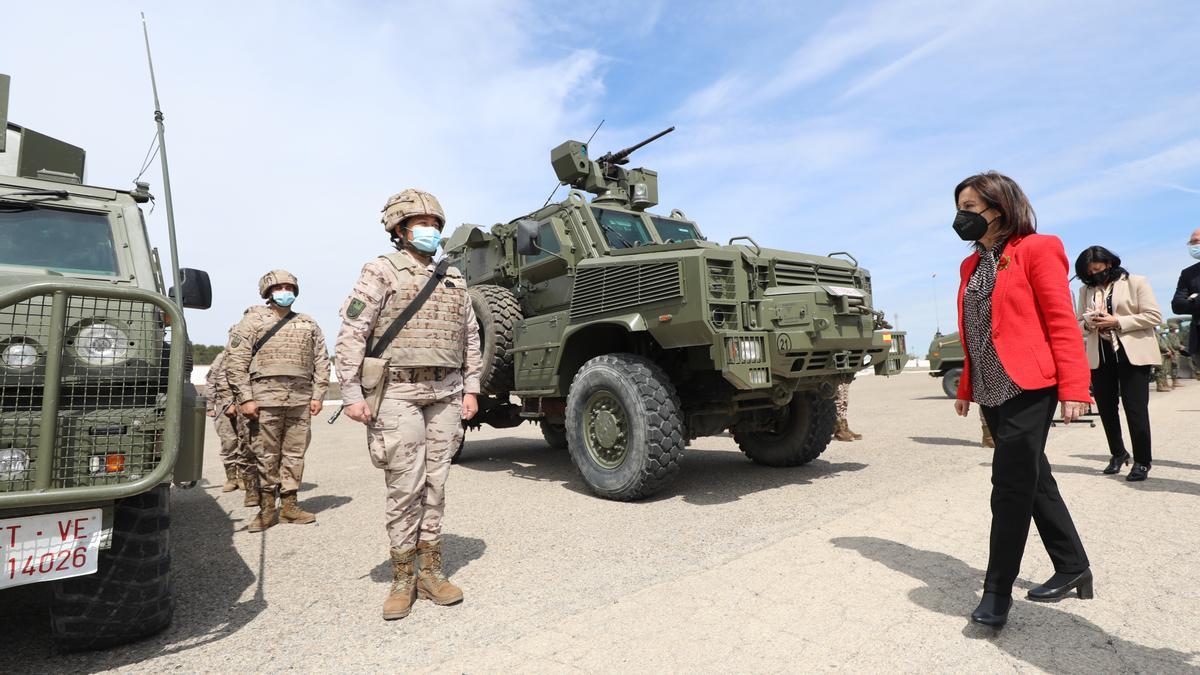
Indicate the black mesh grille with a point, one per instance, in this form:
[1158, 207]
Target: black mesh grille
[605, 289]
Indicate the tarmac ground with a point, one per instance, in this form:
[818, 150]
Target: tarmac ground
[869, 559]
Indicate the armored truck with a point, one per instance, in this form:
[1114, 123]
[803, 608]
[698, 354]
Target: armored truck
[626, 333]
[946, 358]
[97, 415]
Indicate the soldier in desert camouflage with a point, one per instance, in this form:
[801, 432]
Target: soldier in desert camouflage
[279, 380]
[432, 378]
[231, 429]
[841, 429]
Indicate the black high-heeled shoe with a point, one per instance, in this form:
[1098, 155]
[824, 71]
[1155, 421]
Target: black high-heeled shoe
[1138, 472]
[1061, 584]
[992, 610]
[1115, 464]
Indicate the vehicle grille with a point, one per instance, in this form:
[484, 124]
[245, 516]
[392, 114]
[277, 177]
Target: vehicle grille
[598, 290]
[829, 361]
[106, 405]
[792, 273]
[720, 279]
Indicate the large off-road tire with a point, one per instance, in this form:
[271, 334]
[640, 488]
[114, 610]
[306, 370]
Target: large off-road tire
[130, 595]
[624, 426]
[498, 313]
[803, 430]
[555, 435]
[950, 382]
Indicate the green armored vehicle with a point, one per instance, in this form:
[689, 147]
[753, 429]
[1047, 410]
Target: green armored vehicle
[946, 358]
[97, 416]
[625, 333]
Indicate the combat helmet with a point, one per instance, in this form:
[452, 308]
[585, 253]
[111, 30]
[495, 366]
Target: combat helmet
[409, 203]
[274, 278]
[1174, 323]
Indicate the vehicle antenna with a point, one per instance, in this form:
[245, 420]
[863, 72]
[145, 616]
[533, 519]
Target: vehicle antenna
[936, 314]
[162, 154]
[589, 142]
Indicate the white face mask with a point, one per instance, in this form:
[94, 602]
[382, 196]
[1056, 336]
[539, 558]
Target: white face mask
[1194, 250]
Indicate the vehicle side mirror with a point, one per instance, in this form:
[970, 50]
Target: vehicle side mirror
[196, 288]
[527, 237]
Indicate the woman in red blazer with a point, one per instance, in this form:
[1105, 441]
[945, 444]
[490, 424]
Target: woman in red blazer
[1025, 357]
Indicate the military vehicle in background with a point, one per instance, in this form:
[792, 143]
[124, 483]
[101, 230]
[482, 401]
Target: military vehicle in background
[97, 414]
[625, 333]
[946, 359]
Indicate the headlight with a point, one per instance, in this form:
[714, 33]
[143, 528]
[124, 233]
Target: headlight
[101, 344]
[19, 355]
[13, 463]
[745, 350]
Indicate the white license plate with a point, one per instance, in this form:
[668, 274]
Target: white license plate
[843, 290]
[49, 546]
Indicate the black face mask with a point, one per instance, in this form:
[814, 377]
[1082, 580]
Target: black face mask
[970, 226]
[1104, 277]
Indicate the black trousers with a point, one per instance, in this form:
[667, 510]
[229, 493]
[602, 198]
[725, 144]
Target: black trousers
[1023, 489]
[1118, 379]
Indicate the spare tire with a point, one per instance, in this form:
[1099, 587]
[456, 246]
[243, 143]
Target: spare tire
[497, 311]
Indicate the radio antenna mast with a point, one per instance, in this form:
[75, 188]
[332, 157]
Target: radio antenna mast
[162, 153]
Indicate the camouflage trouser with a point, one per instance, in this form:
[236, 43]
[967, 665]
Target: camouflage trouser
[235, 443]
[983, 427]
[281, 436]
[842, 402]
[1165, 372]
[413, 441]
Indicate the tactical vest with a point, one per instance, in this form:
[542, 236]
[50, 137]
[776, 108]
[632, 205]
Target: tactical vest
[436, 335]
[288, 352]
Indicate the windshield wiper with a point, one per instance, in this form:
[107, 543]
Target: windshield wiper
[610, 230]
[37, 192]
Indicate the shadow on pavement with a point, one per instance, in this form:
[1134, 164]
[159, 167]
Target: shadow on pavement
[1061, 642]
[324, 503]
[1103, 459]
[706, 477]
[935, 440]
[1151, 484]
[210, 577]
[457, 553]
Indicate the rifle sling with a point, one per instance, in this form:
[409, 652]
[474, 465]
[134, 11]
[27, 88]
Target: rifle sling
[410, 311]
[258, 344]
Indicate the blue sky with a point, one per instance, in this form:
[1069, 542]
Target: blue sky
[817, 126]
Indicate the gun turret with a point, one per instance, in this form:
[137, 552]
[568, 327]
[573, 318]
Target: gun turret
[604, 177]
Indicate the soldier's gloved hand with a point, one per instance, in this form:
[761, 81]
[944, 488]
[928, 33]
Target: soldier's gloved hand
[359, 412]
[470, 406]
[250, 410]
[314, 407]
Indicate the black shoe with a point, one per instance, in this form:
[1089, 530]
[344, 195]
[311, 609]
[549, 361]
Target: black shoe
[1061, 584]
[1115, 464]
[1138, 472]
[992, 609]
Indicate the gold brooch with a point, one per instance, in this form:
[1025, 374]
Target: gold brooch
[1004, 262]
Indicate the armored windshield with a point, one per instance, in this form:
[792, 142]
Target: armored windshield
[622, 230]
[64, 241]
[671, 230]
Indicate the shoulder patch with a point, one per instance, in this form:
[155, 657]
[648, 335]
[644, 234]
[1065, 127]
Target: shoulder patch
[235, 341]
[355, 308]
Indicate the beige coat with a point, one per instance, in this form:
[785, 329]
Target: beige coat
[1137, 314]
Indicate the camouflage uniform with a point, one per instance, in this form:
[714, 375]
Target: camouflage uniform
[289, 371]
[433, 361]
[1163, 372]
[1176, 347]
[236, 454]
[841, 404]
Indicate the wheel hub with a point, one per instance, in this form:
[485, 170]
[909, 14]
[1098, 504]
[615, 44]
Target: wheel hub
[605, 429]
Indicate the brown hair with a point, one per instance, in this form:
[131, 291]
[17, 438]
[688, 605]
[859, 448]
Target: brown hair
[1002, 193]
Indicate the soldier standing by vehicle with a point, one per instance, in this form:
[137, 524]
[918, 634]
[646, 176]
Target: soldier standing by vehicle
[841, 429]
[1164, 371]
[1175, 344]
[227, 422]
[278, 369]
[415, 322]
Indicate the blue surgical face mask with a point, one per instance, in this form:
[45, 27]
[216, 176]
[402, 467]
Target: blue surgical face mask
[1194, 250]
[283, 298]
[425, 238]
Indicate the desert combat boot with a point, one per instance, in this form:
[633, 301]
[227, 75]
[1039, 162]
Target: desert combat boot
[266, 512]
[231, 479]
[403, 594]
[432, 583]
[292, 513]
[841, 431]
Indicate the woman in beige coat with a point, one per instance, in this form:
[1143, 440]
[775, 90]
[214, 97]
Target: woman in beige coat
[1118, 314]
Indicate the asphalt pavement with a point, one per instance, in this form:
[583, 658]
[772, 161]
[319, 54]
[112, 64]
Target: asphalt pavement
[869, 560]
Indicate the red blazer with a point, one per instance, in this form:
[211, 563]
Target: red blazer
[1033, 320]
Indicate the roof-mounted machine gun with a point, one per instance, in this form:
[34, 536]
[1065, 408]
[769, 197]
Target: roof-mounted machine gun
[605, 177]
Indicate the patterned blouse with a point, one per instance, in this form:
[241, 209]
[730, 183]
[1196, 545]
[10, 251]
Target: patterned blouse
[990, 381]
